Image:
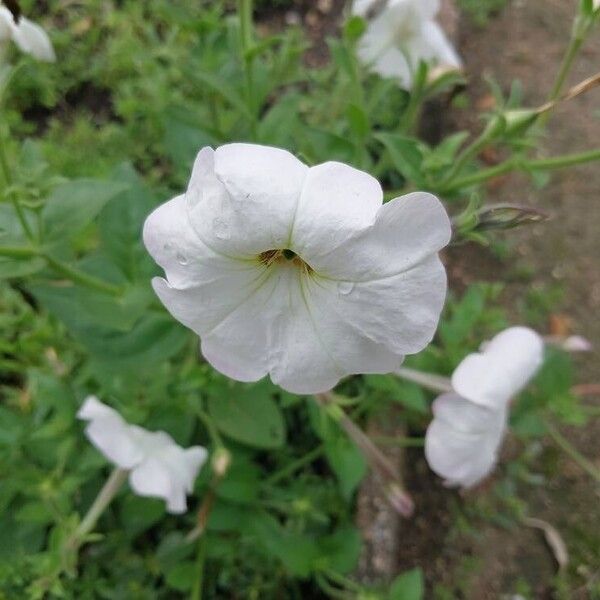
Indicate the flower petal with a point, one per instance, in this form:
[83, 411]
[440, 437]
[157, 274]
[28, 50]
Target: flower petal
[378, 50]
[398, 313]
[462, 441]
[337, 201]
[300, 359]
[434, 47]
[152, 478]
[492, 378]
[407, 231]
[175, 246]
[32, 39]
[109, 432]
[7, 24]
[242, 198]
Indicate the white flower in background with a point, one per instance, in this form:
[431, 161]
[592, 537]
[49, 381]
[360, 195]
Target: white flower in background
[298, 272]
[28, 36]
[158, 467]
[402, 35]
[463, 440]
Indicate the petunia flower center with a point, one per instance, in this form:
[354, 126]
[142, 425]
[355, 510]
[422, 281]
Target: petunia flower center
[283, 256]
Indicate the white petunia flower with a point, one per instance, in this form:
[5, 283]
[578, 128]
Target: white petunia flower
[298, 272]
[402, 35]
[158, 467]
[463, 440]
[28, 36]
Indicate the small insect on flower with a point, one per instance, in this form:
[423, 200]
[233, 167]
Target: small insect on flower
[462, 441]
[159, 468]
[28, 36]
[298, 272]
[401, 35]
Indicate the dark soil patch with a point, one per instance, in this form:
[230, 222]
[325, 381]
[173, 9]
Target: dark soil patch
[87, 98]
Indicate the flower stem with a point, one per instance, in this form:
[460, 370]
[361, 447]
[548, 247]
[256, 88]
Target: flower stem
[567, 160]
[294, 466]
[80, 277]
[403, 442]
[435, 383]
[471, 151]
[478, 177]
[199, 580]
[245, 10]
[6, 172]
[204, 512]
[394, 488]
[107, 493]
[18, 252]
[585, 464]
[575, 44]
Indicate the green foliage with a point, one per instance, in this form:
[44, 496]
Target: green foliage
[98, 140]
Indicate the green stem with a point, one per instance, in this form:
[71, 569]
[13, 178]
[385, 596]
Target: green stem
[472, 150]
[294, 466]
[403, 442]
[585, 464]
[200, 559]
[75, 275]
[213, 432]
[80, 277]
[245, 10]
[342, 581]
[478, 177]
[18, 252]
[560, 162]
[575, 44]
[15, 202]
[107, 493]
[435, 383]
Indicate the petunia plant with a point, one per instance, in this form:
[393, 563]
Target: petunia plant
[243, 334]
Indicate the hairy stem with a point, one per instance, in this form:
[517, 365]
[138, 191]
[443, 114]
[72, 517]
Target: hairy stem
[585, 464]
[435, 383]
[394, 487]
[107, 493]
[6, 172]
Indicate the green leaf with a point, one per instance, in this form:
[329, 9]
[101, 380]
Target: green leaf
[181, 577]
[76, 306]
[184, 137]
[139, 514]
[75, 204]
[408, 586]
[120, 225]
[297, 551]
[249, 415]
[406, 154]
[359, 122]
[12, 268]
[341, 550]
[347, 462]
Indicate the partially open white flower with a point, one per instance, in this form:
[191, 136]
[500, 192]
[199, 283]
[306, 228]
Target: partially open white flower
[159, 467]
[402, 35]
[463, 440]
[298, 272]
[28, 36]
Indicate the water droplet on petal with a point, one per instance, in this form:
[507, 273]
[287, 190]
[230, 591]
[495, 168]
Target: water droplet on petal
[168, 247]
[181, 259]
[221, 229]
[345, 287]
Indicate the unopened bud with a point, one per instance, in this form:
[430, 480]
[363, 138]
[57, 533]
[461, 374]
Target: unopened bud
[400, 500]
[508, 216]
[518, 121]
[221, 461]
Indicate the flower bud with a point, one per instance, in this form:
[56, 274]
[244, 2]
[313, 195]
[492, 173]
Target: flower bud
[221, 461]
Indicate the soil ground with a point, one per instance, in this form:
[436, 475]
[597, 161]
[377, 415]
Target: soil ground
[526, 41]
